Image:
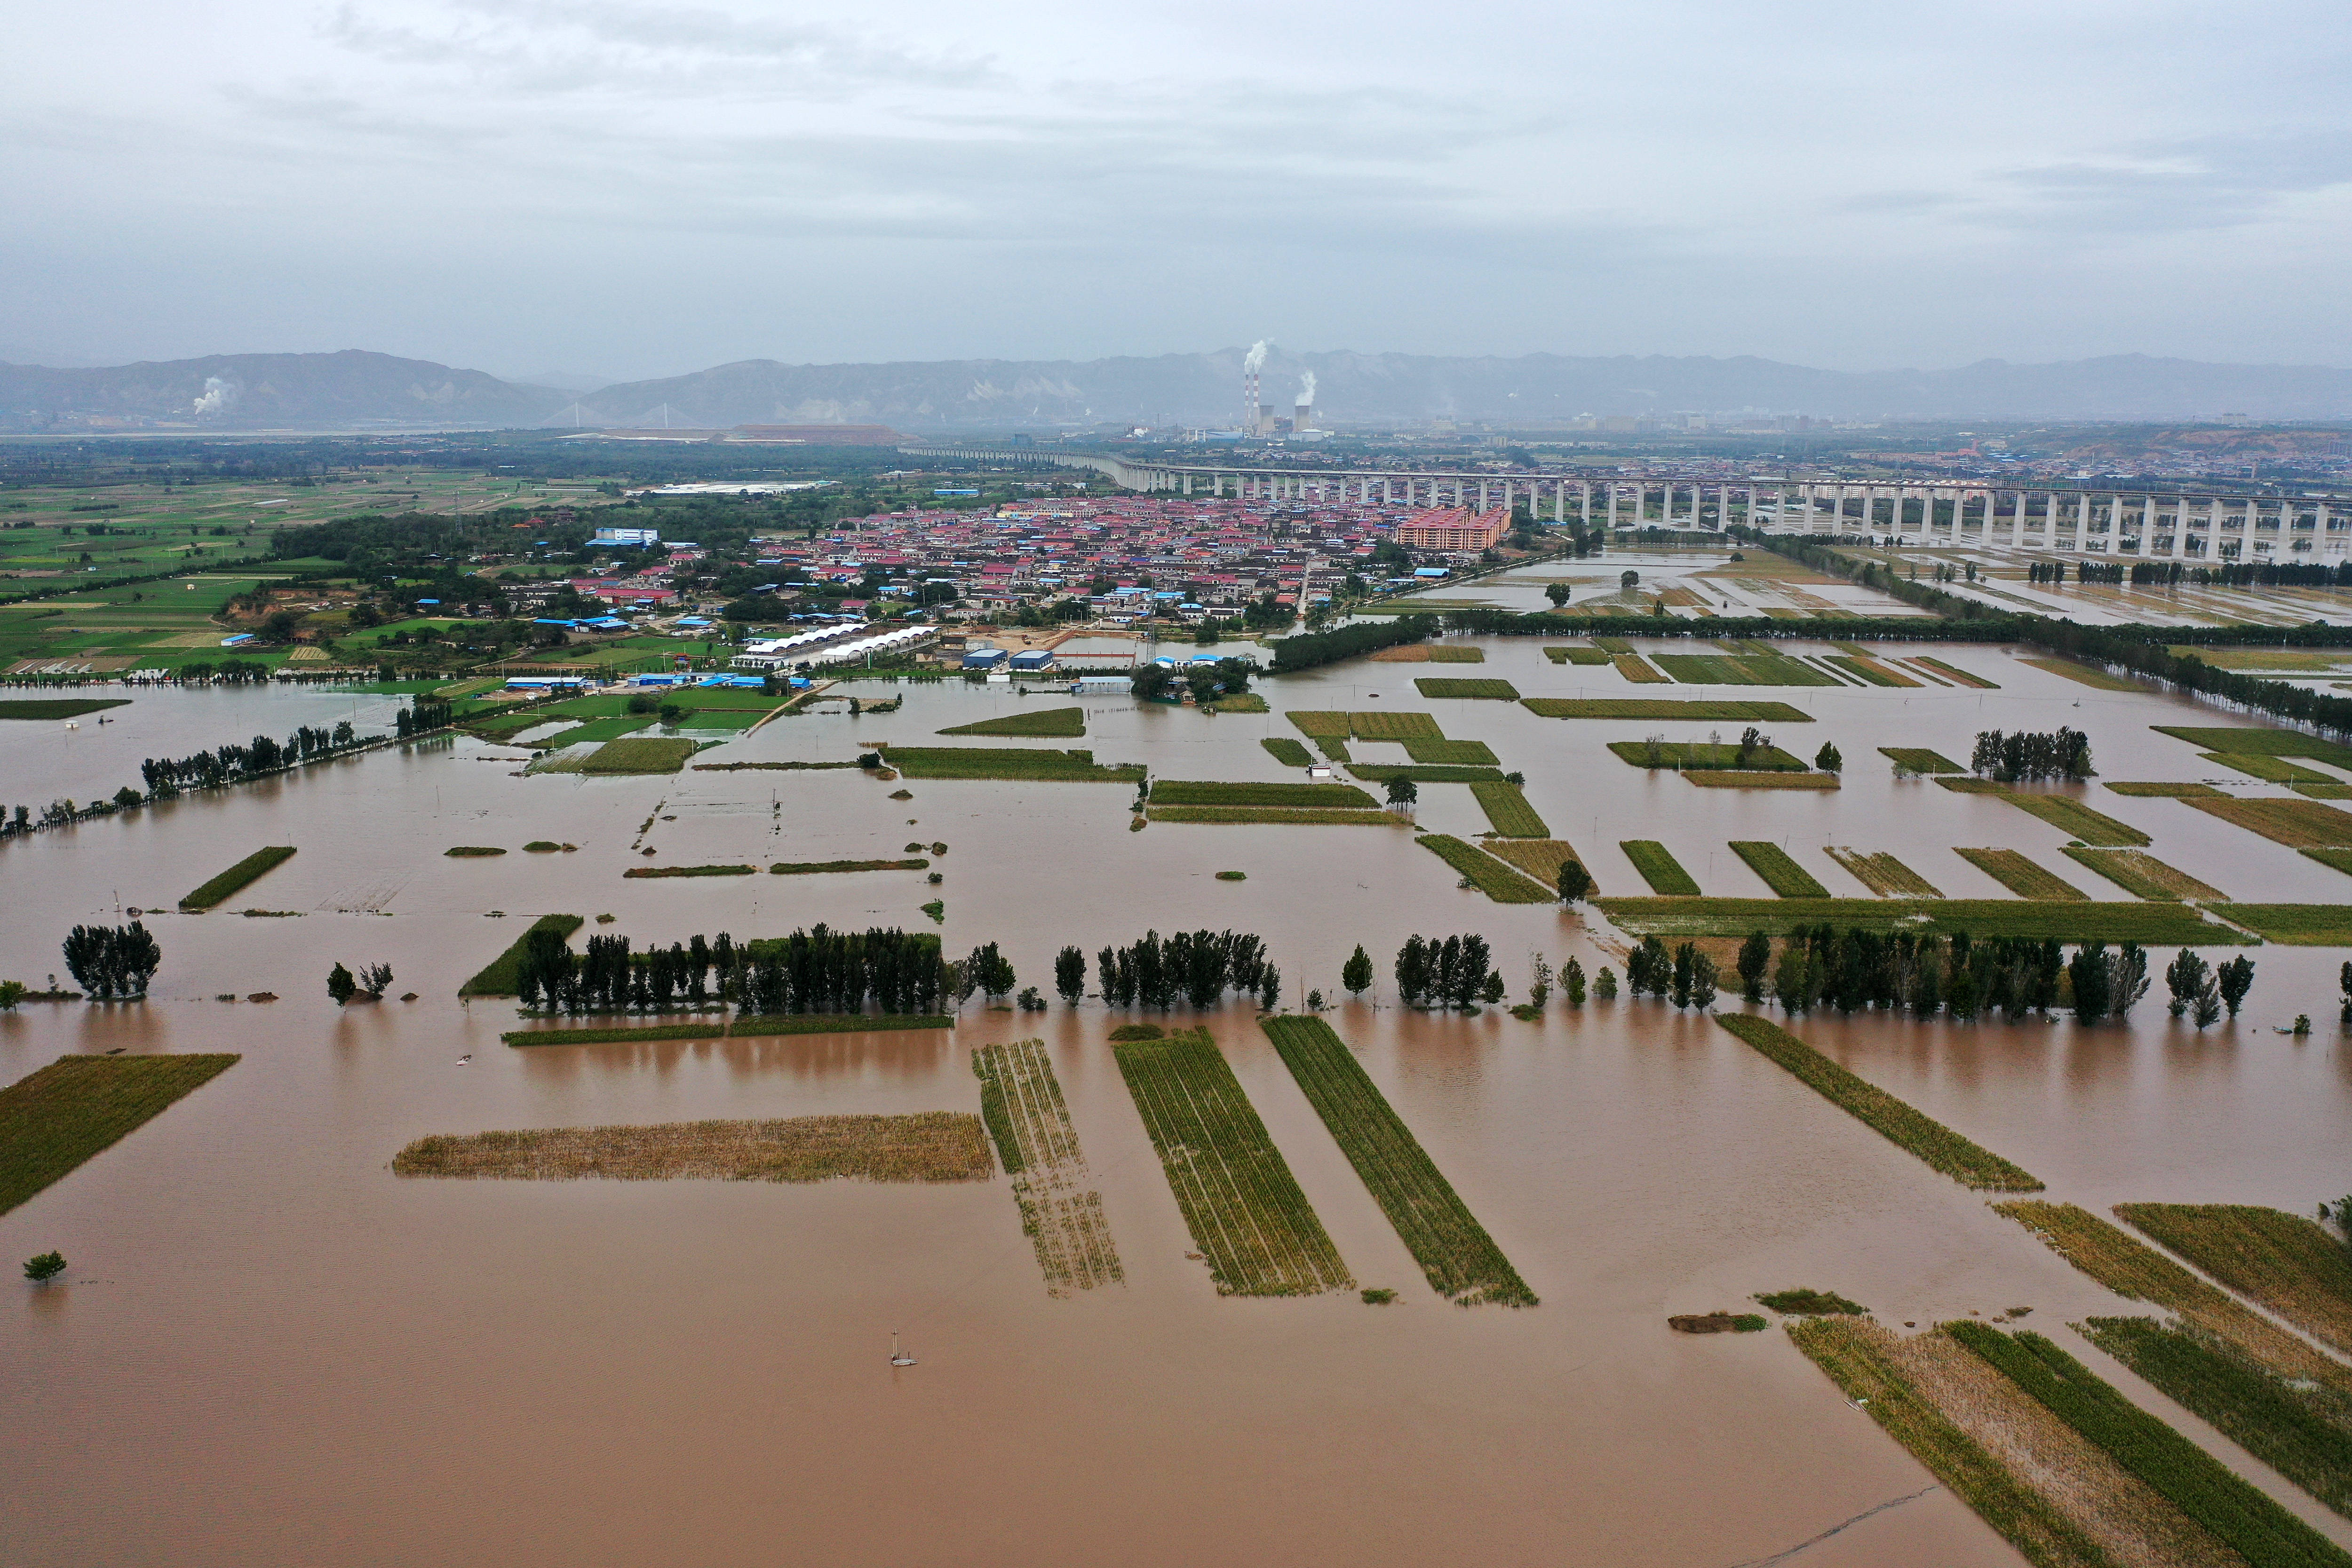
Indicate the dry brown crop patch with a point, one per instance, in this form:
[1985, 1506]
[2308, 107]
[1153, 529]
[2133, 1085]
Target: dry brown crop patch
[926, 1146]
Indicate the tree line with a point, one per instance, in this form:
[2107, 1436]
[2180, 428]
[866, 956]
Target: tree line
[1310, 650]
[1197, 967]
[167, 776]
[2028, 755]
[814, 971]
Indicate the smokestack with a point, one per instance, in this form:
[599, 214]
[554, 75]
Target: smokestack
[1252, 415]
[1302, 416]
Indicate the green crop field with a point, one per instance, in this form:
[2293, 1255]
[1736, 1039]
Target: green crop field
[1474, 753]
[2336, 858]
[1272, 816]
[1502, 883]
[2298, 824]
[2158, 789]
[1457, 1255]
[1883, 874]
[1921, 759]
[499, 977]
[1390, 726]
[1018, 764]
[2284, 1261]
[642, 871]
[1956, 673]
[55, 1119]
[57, 707]
[2021, 874]
[1778, 869]
[1574, 655]
[1702, 756]
[238, 877]
[1640, 670]
[1662, 708]
[2066, 813]
[2241, 742]
[2268, 768]
[1726, 670]
[1205, 792]
[1287, 752]
[1740, 778]
[1659, 867]
[1506, 808]
[1239, 1200]
[818, 868]
[1466, 686]
[1869, 669]
[1540, 859]
[2243, 1518]
[2170, 925]
[2142, 875]
[1058, 722]
[1431, 772]
[1320, 724]
[1892, 1118]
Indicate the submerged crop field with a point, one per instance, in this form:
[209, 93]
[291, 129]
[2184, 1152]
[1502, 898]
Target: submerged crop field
[1239, 1200]
[1021, 1103]
[76, 1107]
[927, 1146]
[1461, 1260]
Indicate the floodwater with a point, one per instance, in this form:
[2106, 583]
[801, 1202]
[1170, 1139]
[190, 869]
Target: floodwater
[270, 1350]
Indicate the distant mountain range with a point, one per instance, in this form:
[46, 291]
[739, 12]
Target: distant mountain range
[357, 390]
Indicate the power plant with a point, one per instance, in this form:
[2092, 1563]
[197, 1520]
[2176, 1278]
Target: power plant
[1260, 419]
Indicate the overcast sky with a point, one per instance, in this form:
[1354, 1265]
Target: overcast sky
[628, 189]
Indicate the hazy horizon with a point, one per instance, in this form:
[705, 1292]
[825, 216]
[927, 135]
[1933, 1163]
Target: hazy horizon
[631, 190]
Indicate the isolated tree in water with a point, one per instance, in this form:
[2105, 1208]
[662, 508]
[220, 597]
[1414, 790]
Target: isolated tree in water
[1402, 792]
[44, 1266]
[1828, 760]
[1557, 594]
[1070, 975]
[2235, 978]
[1575, 881]
[1356, 974]
[340, 985]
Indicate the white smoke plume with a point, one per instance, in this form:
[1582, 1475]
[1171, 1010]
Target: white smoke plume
[218, 396]
[1306, 390]
[1255, 359]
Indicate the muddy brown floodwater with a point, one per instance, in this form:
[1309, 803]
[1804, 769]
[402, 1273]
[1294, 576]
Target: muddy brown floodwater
[270, 1350]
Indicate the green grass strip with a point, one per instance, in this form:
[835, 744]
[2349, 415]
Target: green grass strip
[1852, 1357]
[1018, 764]
[1659, 867]
[1778, 869]
[2172, 925]
[1900, 1123]
[1055, 722]
[1457, 1255]
[2021, 874]
[2334, 857]
[819, 868]
[1287, 752]
[1956, 673]
[1573, 655]
[714, 1030]
[1731, 778]
[1320, 724]
[2066, 814]
[1689, 756]
[1244, 1207]
[1503, 884]
[2193, 1480]
[1921, 759]
[637, 871]
[2261, 766]
[1466, 686]
[55, 1119]
[1661, 707]
[1506, 805]
[238, 877]
[499, 977]
[1207, 792]
[2260, 742]
[2267, 1416]
[1272, 816]
[2162, 789]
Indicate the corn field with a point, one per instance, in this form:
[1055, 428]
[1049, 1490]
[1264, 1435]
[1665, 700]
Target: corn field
[1461, 1260]
[1242, 1206]
[1020, 1102]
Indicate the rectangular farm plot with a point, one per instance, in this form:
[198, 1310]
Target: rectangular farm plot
[1738, 669]
[1659, 867]
[1571, 653]
[1394, 726]
[1506, 808]
[1205, 792]
[2064, 813]
[1287, 752]
[1692, 756]
[1487, 687]
[1273, 816]
[1320, 724]
[1640, 670]
[2298, 824]
[1058, 722]
[1457, 1255]
[927, 1146]
[1742, 778]
[2142, 875]
[2083, 674]
[1921, 759]
[1695, 710]
[2236, 741]
[2021, 874]
[1018, 764]
[1883, 874]
[2297, 925]
[2268, 768]
[1869, 669]
[1502, 883]
[2161, 789]
[1238, 1197]
[1020, 1104]
[1956, 673]
[78, 1105]
[1780, 870]
[1476, 753]
[1540, 859]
